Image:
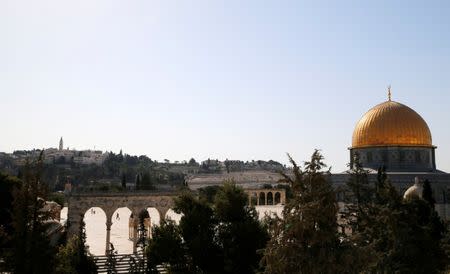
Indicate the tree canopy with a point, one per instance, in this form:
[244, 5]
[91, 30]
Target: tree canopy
[227, 230]
[306, 239]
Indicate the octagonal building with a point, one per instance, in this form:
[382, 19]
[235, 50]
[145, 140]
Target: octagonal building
[395, 136]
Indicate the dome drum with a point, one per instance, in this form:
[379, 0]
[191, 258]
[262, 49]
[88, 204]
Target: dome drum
[396, 158]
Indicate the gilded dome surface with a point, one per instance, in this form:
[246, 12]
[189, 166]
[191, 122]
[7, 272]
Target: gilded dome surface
[391, 124]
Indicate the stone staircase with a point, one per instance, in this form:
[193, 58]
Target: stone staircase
[125, 263]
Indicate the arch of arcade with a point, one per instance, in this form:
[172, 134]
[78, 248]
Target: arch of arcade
[266, 197]
[79, 203]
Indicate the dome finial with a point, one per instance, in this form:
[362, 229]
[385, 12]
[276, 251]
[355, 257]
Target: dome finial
[389, 93]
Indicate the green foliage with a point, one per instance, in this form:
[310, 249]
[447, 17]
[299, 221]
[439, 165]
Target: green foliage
[288, 189]
[427, 193]
[138, 181]
[306, 239]
[124, 181]
[192, 162]
[400, 236]
[57, 197]
[241, 235]
[359, 195]
[8, 185]
[31, 251]
[197, 227]
[358, 184]
[146, 182]
[223, 237]
[74, 257]
[208, 193]
[166, 247]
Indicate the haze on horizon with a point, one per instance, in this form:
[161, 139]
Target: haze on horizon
[218, 79]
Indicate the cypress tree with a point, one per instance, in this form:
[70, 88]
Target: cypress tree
[138, 182]
[359, 195]
[124, 181]
[400, 236]
[32, 252]
[427, 193]
[74, 257]
[306, 238]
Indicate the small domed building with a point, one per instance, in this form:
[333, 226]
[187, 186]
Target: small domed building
[395, 136]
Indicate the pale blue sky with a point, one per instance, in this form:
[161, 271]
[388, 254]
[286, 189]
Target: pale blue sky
[221, 79]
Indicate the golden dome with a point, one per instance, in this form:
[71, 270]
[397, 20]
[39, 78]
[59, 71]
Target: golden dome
[391, 124]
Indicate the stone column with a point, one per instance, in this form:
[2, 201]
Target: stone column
[265, 196]
[74, 218]
[108, 234]
[162, 213]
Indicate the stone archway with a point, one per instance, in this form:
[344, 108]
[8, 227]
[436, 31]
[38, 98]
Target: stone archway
[262, 198]
[269, 198]
[78, 204]
[277, 199]
[95, 228]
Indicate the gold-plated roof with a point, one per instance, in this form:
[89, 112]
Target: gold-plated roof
[391, 124]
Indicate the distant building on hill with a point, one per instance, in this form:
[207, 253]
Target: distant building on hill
[59, 156]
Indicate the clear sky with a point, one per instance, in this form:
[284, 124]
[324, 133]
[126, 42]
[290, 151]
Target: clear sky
[221, 79]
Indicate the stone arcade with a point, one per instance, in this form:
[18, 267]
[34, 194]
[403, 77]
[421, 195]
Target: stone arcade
[78, 204]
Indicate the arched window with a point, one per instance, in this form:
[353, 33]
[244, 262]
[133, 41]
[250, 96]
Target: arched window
[262, 198]
[269, 198]
[277, 198]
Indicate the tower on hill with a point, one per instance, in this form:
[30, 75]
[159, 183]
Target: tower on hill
[61, 144]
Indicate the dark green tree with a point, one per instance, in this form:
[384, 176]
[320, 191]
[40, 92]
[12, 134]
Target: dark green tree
[427, 193]
[32, 252]
[197, 229]
[208, 193]
[74, 257]
[166, 247]
[358, 183]
[400, 236]
[306, 239]
[227, 165]
[380, 184]
[124, 181]
[147, 182]
[240, 234]
[360, 194]
[8, 185]
[192, 162]
[138, 184]
[220, 237]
